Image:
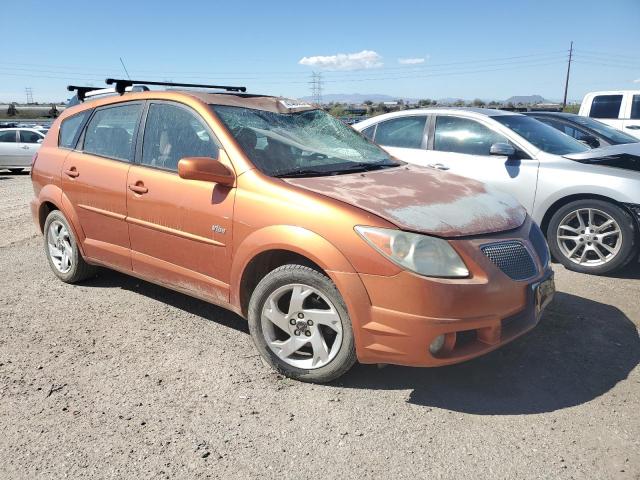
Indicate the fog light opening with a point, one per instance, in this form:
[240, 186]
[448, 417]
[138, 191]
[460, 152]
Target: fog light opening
[437, 344]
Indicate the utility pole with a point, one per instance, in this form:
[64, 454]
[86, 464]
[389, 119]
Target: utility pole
[566, 83]
[316, 87]
[29, 92]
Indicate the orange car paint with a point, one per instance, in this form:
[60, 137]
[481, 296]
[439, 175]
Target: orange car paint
[200, 238]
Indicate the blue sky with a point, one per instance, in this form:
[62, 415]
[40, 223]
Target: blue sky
[468, 49]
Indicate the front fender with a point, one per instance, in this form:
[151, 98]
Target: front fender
[286, 237]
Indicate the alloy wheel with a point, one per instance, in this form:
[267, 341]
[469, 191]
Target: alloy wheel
[589, 237]
[301, 326]
[59, 246]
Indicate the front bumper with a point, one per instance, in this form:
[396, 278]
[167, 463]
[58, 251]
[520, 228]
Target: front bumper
[476, 315]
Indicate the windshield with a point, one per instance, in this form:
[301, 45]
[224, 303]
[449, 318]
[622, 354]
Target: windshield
[546, 138]
[606, 131]
[309, 143]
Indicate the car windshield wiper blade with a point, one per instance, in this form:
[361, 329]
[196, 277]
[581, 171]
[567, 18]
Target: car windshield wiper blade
[353, 167]
[304, 172]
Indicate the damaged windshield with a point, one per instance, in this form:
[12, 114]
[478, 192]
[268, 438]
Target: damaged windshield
[309, 143]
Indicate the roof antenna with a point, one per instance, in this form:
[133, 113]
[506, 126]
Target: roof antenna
[125, 69]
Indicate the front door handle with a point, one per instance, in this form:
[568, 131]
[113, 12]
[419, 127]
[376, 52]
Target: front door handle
[72, 172]
[25, 147]
[633, 127]
[438, 166]
[138, 188]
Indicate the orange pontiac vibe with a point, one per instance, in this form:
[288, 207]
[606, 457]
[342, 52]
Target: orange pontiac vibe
[333, 251]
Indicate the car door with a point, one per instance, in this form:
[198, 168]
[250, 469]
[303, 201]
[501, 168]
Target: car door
[631, 124]
[94, 179]
[403, 137]
[608, 109]
[462, 146]
[28, 143]
[180, 230]
[9, 151]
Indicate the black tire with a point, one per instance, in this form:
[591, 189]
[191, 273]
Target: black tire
[299, 274]
[16, 170]
[628, 250]
[80, 269]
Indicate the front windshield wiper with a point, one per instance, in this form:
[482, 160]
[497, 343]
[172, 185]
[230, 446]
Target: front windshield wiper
[354, 167]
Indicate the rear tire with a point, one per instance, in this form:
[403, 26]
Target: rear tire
[61, 249]
[15, 171]
[312, 341]
[592, 236]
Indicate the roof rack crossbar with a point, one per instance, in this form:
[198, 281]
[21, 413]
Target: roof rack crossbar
[81, 92]
[121, 84]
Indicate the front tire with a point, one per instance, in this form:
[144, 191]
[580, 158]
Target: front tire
[300, 325]
[15, 171]
[592, 236]
[61, 249]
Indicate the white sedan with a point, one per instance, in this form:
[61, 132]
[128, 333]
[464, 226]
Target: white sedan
[17, 147]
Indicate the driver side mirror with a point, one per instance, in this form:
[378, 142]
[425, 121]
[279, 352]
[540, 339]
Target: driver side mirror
[502, 149]
[206, 169]
[40, 140]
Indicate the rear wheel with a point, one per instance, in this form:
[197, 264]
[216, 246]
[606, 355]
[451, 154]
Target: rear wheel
[16, 170]
[592, 236]
[300, 325]
[62, 250]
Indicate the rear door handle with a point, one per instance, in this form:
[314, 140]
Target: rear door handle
[138, 188]
[25, 147]
[438, 166]
[633, 127]
[72, 172]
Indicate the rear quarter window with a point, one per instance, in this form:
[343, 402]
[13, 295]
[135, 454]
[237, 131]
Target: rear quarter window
[69, 129]
[606, 106]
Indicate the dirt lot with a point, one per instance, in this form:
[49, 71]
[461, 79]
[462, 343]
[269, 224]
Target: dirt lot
[117, 378]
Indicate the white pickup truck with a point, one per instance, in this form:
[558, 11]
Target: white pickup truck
[619, 108]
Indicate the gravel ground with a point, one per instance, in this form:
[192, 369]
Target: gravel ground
[118, 378]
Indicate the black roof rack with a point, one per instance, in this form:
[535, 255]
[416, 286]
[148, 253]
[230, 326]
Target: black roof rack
[81, 92]
[122, 84]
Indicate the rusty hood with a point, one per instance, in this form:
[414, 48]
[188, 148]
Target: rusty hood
[422, 200]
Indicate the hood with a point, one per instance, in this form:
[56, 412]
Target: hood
[423, 200]
[625, 156]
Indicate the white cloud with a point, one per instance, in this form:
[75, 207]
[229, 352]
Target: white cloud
[637, 80]
[345, 61]
[411, 61]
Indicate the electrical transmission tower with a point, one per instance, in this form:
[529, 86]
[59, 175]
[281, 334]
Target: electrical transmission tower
[316, 87]
[29, 92]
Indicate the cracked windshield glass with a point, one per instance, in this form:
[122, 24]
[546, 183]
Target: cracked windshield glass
[309, 143]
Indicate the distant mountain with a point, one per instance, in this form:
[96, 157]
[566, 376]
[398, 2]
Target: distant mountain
[526, 99]
[356, 98]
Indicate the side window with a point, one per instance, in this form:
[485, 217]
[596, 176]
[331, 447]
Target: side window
[30, 137]
[369, 131]
[606, 106]
[461, 135]
[110, 132]
[69, 129]
[8, 136]
[404, 132]
[635, 108]
[172, 132]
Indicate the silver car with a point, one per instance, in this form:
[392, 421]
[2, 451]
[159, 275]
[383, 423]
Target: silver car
[587, 201]
[17, 147]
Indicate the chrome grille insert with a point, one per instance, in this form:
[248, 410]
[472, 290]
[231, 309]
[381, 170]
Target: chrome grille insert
[512, 257]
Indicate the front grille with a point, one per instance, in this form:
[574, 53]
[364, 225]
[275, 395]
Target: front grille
[512, 258]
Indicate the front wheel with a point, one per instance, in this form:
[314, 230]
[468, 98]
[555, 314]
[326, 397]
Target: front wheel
[592, 236]
[300, 325]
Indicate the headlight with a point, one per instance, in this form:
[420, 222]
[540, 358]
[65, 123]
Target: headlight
[429, 256]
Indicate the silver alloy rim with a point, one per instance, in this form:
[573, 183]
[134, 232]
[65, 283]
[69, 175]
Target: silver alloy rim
[301, 326]
[59, 243]
[589, 237]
